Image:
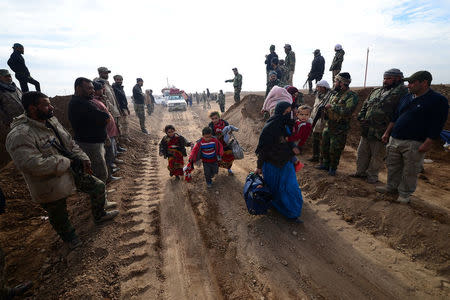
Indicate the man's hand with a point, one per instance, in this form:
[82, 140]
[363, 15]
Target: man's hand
[296, 150]
[258, 171]
[87, 167]
[426, 146]
[385, 138]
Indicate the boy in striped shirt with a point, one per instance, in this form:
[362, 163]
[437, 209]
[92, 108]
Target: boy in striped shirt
[210, 151]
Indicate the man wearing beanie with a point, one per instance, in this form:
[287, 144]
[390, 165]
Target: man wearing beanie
[376, 114]
[139, 103]
[273, 81]
[338, 114]
[416, 124]
[322, 99]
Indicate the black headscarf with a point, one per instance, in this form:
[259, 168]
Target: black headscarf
[275, 129]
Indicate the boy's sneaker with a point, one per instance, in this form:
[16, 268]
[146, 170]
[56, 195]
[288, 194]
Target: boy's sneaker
[332, 172]
[403, 199]
[230, 172]
[322, 167]
[209, 185]
[74, 243]
[109, 215]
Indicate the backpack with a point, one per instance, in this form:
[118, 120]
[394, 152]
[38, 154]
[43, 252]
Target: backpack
[256, 194]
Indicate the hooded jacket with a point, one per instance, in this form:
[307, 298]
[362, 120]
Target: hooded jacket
[47, 173]
[10, 102]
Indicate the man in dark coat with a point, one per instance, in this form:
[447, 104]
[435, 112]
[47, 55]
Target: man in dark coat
[269, 58]
[17, 64]
[317, 69]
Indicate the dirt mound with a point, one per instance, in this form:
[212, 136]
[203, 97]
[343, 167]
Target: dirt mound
[61, 104]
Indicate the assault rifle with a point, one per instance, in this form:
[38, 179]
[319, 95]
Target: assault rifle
[76, 164]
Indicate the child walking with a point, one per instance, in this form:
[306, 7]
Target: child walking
[217, 126]
[210, 151]
[301, 131]
[173, 147]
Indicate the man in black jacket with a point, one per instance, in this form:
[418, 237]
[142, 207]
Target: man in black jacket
[89, 126]
[317, 69]
[120, 93]
[139, 103]
[17, 64]
[269, 58]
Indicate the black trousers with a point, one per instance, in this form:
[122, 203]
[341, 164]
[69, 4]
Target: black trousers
[24, 80]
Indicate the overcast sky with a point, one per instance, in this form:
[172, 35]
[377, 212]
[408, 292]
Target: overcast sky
[195, 44]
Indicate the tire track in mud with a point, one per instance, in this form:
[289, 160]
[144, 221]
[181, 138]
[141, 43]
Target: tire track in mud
[140, 250]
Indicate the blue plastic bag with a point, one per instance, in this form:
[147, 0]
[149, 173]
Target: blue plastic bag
[257, 196]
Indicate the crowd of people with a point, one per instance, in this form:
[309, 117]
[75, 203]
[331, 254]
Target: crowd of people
[398, 126]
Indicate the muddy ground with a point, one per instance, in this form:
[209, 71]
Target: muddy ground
[178, 240]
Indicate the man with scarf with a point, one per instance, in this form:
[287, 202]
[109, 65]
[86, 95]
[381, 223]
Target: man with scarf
[275, 162]
[375, 115]
[338, 113]
[322, 99]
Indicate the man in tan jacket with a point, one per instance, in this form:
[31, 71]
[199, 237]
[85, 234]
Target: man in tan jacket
[53, 166]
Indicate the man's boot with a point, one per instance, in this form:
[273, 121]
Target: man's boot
[109, 215]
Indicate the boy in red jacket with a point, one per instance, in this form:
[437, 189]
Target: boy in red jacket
[301, 131]
[210, 151]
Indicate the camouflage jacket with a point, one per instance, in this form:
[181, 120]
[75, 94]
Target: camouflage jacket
[112, 104]
[337, 60]
[289, 62]
[271, 84]
[47, 173]
[221, 99]
[237, 81]
[285, 73]
[379, 109]
[340, 113]
[10, 103]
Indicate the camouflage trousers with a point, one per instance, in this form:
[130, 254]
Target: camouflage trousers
[123, 126]
[333, 143]
[237, 95]
[334, 73]
[140, 113]
[404, 162]
[369, 160]
[57, 210]
[317, 138]
[96, 154]
[290, 77]
[222, 107]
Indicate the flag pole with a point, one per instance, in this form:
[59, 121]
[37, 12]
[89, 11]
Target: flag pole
[367, 64]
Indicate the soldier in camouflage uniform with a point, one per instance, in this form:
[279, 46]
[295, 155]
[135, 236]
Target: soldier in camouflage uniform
[336, 65]
[139, 103]
[53, 165]
[338, 113]
[374, 118]
[284, 71]
[237, 84]
[221, 100]
[10, 104]
[289, 62]
[273, 81]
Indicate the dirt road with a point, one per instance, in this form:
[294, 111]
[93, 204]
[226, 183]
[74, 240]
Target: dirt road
[178, 240]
